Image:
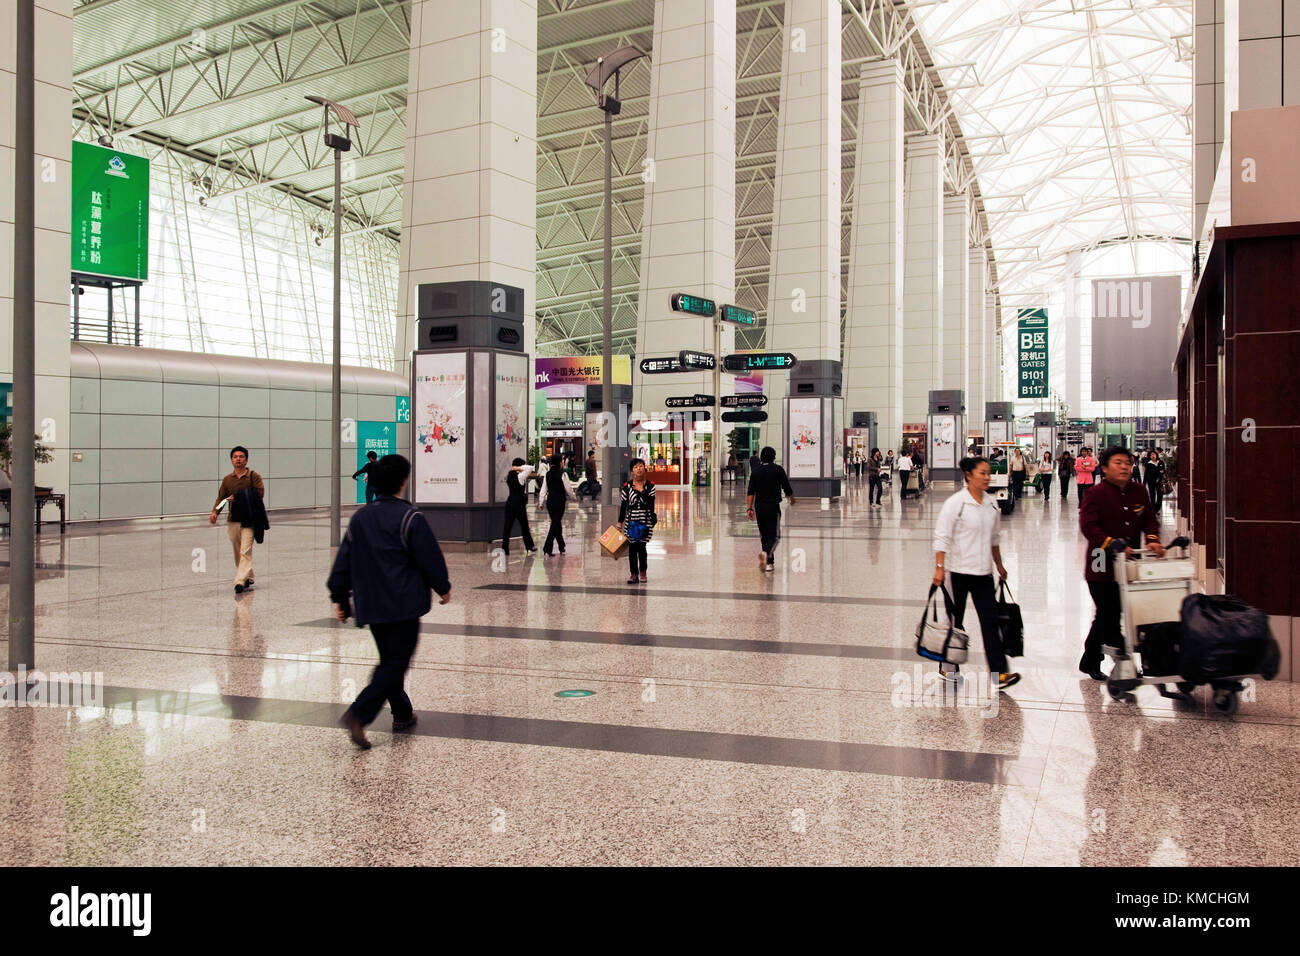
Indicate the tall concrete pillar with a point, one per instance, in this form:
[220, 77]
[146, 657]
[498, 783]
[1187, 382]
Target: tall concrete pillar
[993, 388]
[803, 296]
[470, 209]
[873, 335]
[976, 342]
[51, 236]
[956, 275]
[688, 229]
[922, 274]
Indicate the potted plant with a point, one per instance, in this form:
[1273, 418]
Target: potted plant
[44, 455]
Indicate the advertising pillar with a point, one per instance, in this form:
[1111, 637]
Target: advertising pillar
[946, 433]
[469, 405]
[813, 422]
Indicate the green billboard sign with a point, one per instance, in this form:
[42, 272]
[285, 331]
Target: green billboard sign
[1031, 349]
[110, 213]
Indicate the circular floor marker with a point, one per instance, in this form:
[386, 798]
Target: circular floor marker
[575, 693]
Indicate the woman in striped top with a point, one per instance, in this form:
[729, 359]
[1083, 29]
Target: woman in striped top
[637, 505]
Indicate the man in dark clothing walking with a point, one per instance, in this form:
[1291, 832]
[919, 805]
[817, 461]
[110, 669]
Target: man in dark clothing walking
[766, 482]
[517, 508]
[367, 469]
[1116, 507]
[388, 562]
[593, 482]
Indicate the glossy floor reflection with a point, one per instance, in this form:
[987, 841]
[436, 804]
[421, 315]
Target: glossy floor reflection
[737, 717]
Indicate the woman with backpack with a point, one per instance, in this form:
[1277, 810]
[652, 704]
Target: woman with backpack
[636, 513]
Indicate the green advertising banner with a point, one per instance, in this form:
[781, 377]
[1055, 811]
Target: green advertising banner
[1031, 347]
[379, 437]
[110, 213]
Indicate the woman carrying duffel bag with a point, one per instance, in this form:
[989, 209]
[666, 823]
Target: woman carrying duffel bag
[966, 549]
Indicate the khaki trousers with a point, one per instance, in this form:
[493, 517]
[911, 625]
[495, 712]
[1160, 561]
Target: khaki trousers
[241, 541]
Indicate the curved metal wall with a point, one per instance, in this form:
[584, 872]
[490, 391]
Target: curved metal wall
[153, 428]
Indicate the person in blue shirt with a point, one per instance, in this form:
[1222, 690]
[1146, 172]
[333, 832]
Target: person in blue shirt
[387, 564]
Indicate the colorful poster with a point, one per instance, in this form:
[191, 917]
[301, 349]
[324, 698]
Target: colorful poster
[511, 419]
[439, 411]
[837, 429]
[803, 442]
[943, 441]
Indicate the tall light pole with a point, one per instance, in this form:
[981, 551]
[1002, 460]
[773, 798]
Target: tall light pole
[340, 145]
[608, 66]
[22, 501]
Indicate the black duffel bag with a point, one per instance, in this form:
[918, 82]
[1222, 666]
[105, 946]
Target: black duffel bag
[1159, 648]
[1223, 637]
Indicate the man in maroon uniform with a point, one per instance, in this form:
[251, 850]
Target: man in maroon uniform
[1115, 508]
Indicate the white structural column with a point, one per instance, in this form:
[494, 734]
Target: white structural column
[53, 198]
[1069, 332]
[803, 295]
[993, 388]
[956, 273]
[470, 210]
[873, 334]
[922, 274]
[688, 228]
[976, 344]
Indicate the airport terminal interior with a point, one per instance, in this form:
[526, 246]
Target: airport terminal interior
[713, 248]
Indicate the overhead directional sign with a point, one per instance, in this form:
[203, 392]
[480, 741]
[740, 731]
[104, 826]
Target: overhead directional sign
[689, 401]
[745, 415]
[657, 366]
[694, 304]
[693, 416]
[751, 400]
[688, 359]
[734, 313]
[759, 362]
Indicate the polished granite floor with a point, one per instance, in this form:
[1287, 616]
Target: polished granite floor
[737, 717]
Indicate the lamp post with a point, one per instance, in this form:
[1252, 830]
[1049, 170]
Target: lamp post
[340, 144]
[608, 66]
[22, 500]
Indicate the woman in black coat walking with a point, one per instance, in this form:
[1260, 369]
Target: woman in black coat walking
[557, 493]
[1153, 476]
[637, 507]
[1065, 470]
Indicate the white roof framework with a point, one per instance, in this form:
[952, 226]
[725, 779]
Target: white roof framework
[1077, 115]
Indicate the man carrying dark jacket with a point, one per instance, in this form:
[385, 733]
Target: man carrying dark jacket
[387, 563]
[240, 531]
[1116, 507]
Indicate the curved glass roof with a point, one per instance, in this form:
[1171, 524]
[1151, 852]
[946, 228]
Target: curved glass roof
[1077, 115]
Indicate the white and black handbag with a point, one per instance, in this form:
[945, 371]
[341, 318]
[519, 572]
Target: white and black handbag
[940, 640]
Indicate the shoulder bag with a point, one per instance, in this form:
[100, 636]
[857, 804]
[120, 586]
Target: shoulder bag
[1010, 623]
[940, 640]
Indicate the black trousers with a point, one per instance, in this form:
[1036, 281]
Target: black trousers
[875, 489]
[1081, 491]
[516, 513]
[983, 596]
[1065, 487]
[1045, 482]
[396, 642]
[1017, 483]
[370, 493]
[857, 469]
[768, 516]
[1105, 623]
[636, 557]
[556, 533]
[903, 475]
[1153, 490]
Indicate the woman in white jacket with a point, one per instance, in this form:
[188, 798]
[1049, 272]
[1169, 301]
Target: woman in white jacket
[966, 549]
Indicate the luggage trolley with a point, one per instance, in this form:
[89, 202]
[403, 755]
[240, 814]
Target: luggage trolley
[1151, 591]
